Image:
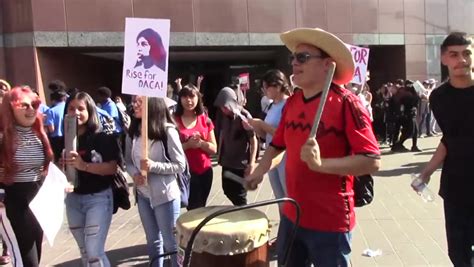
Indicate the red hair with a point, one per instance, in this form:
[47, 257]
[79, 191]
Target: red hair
[8, 142]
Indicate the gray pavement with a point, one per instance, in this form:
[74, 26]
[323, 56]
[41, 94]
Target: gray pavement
[408, 231]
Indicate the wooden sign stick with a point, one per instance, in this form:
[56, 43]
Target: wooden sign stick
[144, 132]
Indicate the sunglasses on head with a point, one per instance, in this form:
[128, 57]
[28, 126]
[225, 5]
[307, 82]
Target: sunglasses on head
[302, 57]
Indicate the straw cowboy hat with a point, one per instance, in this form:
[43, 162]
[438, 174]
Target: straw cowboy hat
[327, 42]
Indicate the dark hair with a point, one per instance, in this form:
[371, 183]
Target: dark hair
[275, 77]
[57, 85]
[104, 91]
[157, 50]
[158, 116]
[93, 123]
[400, 82]
[234, 82]
[58, 95]
[455, 38]
[189, 90]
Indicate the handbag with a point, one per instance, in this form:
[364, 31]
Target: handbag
[183, 178]
[363, 184]
[120, 191]
[363, 190]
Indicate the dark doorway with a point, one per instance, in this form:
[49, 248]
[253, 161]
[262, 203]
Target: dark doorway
[386, 64]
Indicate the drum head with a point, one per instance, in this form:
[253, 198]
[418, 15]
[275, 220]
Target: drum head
[229, 234]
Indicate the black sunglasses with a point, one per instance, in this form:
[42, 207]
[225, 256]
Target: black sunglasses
[302, 57]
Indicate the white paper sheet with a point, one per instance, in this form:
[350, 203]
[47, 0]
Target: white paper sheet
[48, 204]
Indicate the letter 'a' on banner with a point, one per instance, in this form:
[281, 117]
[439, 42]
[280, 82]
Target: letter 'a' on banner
[361, 60]
[145, 59]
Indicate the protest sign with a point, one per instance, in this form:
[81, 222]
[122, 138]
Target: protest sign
[48, 204]
[361, 60]
[146, 52]
[244, 81]
[145, 65]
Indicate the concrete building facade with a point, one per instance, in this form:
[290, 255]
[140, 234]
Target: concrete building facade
[81, 41]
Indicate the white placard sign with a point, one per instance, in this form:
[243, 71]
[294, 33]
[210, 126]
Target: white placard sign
[145, 62]
[48, 204]
[420, 89]
[361, 60]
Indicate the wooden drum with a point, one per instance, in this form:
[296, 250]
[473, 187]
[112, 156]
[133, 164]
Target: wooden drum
[234, 239]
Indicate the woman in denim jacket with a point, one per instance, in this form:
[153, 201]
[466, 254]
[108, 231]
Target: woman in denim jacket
[158, 194]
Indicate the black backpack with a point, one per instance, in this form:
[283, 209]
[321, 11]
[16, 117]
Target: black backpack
[363, 184]
[363, 190]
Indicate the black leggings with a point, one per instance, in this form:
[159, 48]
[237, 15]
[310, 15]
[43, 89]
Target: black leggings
[27, 230]
[234, 191]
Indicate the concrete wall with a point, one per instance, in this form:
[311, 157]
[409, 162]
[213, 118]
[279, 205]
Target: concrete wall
[419, 25]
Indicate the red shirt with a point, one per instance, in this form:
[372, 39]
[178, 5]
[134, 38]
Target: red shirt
[199, 161]
[326, 200]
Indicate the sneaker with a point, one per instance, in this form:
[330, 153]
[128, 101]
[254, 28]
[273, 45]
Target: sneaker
[399, 148]
[415, 149]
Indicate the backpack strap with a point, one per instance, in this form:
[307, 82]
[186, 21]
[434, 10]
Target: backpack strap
[165, 143]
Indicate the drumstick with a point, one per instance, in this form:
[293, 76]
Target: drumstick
[234, 177]
[322, 102]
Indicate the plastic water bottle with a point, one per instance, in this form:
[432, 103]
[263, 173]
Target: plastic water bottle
[96, 157]
[422, 188]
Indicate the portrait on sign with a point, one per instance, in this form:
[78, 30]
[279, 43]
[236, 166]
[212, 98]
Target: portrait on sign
[150, 50]
[145, 64]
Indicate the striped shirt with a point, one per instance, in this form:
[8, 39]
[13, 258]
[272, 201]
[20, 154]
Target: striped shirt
[29, 156]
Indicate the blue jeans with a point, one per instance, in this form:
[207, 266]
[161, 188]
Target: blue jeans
[322, 249]
[89, 218]
[159, 223]
[277, 179]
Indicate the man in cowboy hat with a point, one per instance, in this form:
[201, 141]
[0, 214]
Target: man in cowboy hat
[451, 103]
[320, 172]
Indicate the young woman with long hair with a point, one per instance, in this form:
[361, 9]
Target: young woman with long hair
[276, 87]
[158, 194]
[196, 132]
[25, 154]
[89, 208]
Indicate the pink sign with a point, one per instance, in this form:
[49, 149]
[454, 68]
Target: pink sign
[244, 81]
[361, 60]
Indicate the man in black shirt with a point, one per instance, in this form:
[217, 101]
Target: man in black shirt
[452, 107]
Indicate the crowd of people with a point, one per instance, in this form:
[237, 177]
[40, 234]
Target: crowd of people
[313, 171]
[401, 112]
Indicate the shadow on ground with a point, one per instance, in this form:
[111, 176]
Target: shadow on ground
[409, 168]
[129, 256]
